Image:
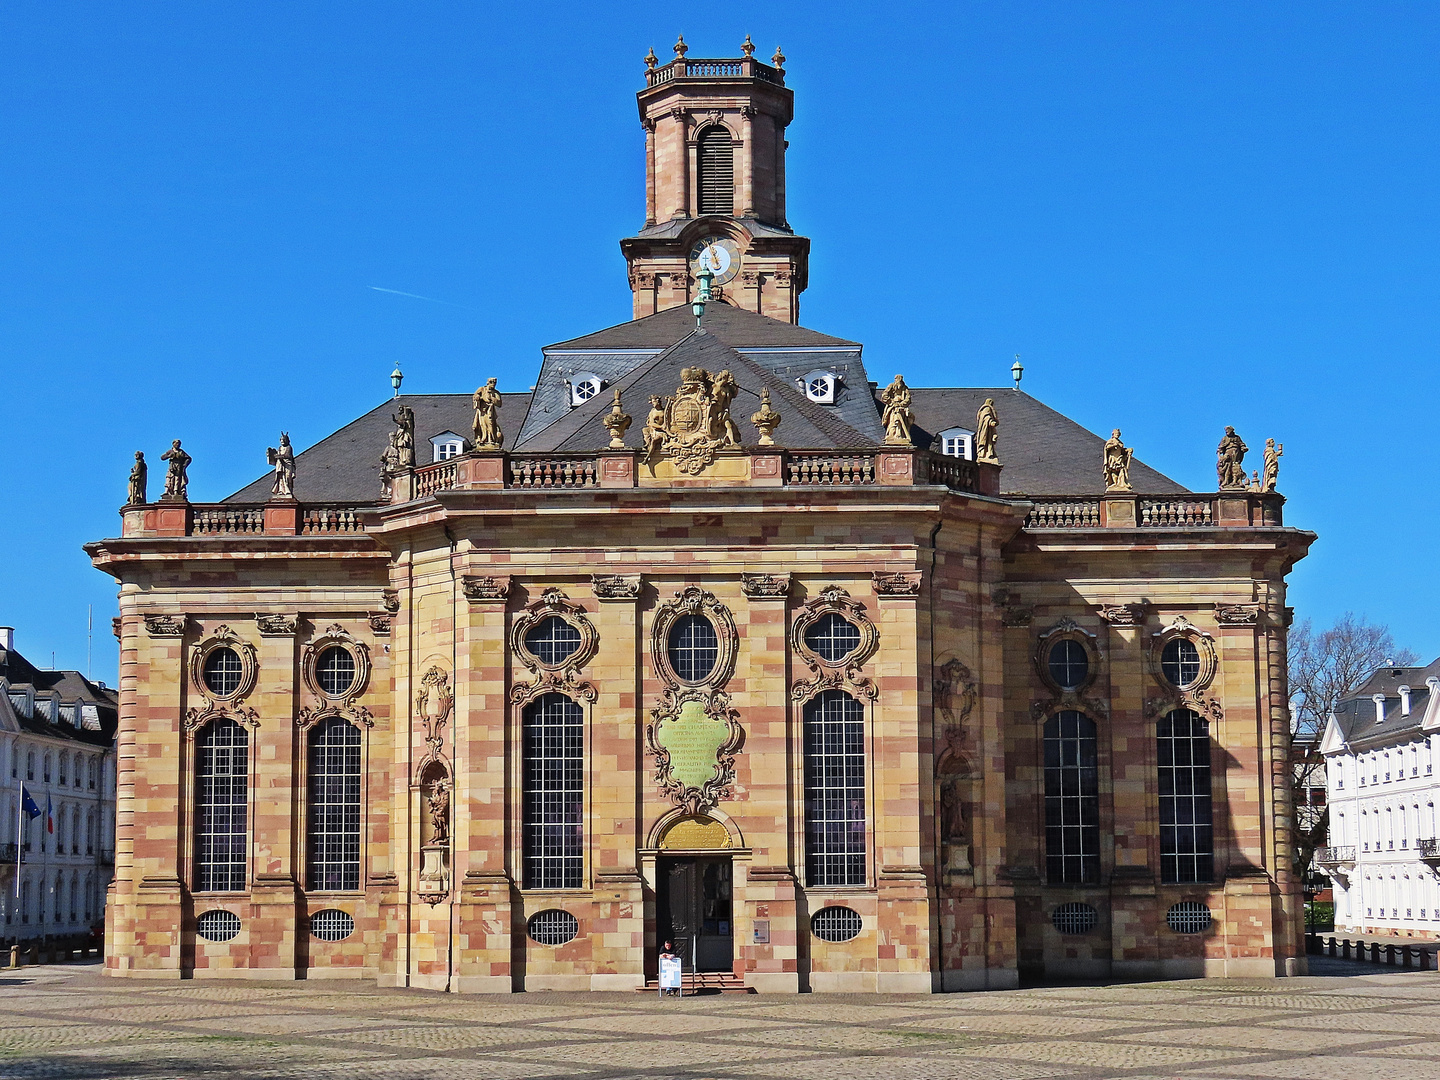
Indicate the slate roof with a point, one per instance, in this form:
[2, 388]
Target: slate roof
[669, 230]
[1355, 715]
[734, 326]
[71, 687]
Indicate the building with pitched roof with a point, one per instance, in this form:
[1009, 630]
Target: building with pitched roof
[711, 637]
[1380, 747]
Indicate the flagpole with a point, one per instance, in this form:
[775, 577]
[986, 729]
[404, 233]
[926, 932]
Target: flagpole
[19, 815]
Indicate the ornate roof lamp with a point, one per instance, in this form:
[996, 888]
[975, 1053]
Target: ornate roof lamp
[396, 378]
[1017, 369]
[705, 276]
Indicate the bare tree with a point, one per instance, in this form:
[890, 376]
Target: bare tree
[1325, 667]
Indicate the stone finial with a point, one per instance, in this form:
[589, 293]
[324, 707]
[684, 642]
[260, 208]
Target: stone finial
[680, 47]
[1273, 453]
[486, 426]
[767, 419]
[651, 60]
[617, 423]
[1230, 462]
[138, 473]
[1117, 463]
[778, 59]
[898, 416]
[748, 48]
[987, 432]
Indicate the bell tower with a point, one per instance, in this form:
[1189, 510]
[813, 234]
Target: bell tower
[715, 186]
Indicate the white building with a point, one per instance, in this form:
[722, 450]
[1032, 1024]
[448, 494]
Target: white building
[1381, 747]
[57, 741]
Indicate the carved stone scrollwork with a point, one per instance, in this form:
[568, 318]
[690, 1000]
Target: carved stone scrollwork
[478, 589]
[903, 585]
[765, 586]
[564, 676]
[165, 625]
[694, 736]
[1067, 697]
[340, 703]
[695, 424]
[1123, 614]
[380, 623]
[276, 625]
[845, 672]
[1237, 614]
[616, 586]
[213, 704]
[1204, 643]
[954, 695]
[434, 702]
[390, 600]
[693, 600]
[1193, 700]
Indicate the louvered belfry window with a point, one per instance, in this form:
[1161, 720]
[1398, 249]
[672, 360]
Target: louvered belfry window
[717, 172]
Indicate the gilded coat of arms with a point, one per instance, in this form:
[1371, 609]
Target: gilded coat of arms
[690, 427]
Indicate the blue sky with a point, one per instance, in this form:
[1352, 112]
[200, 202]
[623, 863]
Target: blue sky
[1182, 215]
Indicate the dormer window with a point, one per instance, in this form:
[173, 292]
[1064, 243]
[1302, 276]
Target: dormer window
[448, 445]
[820, 386]
[584, 386]
[957, 442]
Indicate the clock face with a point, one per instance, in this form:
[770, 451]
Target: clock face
[722, 256]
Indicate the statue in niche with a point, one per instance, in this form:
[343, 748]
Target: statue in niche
[987, 432]
[1273, 453]
[954, 784]
[177, 481]
[283, 458]
[403, 438]
[898, 416]
[487, 401]
[1117, 463]
[440, 812]
[1230, 462]
[138, 473]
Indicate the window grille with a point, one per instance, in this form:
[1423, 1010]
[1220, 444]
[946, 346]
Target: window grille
[835, 789]
[221, 791]
[335, 671]
[552, 641]
[334, 820]
[1188, 917]
[833, 637]
[694, 648]
[222, 671]
[1180, 662]
[553, 927]
[717, 172]
[218, 925]
[1074, 919]
[1068, 663]
[1186, 833]
[554, 795]
[836, 924]
[1072, 800]
[331, 925]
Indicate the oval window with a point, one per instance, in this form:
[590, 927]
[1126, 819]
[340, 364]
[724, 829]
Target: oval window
[694, 648]
[835, 924]
[554, 927]
[335, 671]
[833, 637]
[223, 671]
[1069, 665]
[332, 924]
[1188, 917]
[552, 641]
[1074, 918]
[1180, 663]
[218, 925]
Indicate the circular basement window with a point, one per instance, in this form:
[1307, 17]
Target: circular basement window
[332, 924]
[1074, 918]
[218, 925]
[835, 924]
[223, 671]
[1188, 917]
[554, 927]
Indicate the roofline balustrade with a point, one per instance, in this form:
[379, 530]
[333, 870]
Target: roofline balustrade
[740, 67]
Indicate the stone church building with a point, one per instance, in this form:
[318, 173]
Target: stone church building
[712, 637]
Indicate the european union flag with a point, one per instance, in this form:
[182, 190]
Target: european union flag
[32, 810]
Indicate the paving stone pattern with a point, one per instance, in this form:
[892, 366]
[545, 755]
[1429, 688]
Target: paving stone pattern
[1355, 1022]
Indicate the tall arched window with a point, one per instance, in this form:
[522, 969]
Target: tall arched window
[554, 795]
[94, 768]
[89, 896]
[90, 833]
[222, 777]
[74, 896]
[1072, 800]
[334, 819]
[834, 789]
[717, 171]
[25, 901]
[1187, 851]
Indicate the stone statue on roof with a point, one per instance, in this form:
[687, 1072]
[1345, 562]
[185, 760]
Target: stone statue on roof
[177, 482]
[1117, 463]
[1230, 462]
[652, 435]
[138, 473]
[898, 416]
[404, 441]
[987, 432]
[1273, 453]
[487, 401]
[721, 424]
[283, 458]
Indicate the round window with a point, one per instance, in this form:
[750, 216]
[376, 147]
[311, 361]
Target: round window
[835, 924]
[553, 927]
[1188, 917]
[1074, 918]
[335, 671]
[552, 641]
[1069, 665]
[218, 925]
[833, 637]
[1180, 662]
[223, 671]
[694, 648]
[332, 924]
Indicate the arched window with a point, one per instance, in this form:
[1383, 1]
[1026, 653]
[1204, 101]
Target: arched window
[834, 789]
[334, 819]
[89, 897]
[554, 794]
[64, 770]
[1187, 851]
[717, 171]
[1072, 800]
[25, 901]
[30, 765]
[48, 762]
[94, 768]
[90, 833]
[222, 777]
[74, 896]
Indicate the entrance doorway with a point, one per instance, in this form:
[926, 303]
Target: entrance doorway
[694, 904]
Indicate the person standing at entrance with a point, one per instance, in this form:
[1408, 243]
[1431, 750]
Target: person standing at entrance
[671, 966]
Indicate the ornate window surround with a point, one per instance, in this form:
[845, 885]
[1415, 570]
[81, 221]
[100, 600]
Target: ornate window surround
[1061, 699]
[845, 673]
[1181, 627]
[335, 704]
[213, 704]
[563, 677]
[693, 600]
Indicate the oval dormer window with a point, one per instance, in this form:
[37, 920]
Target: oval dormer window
[820, 386]
[584, 386]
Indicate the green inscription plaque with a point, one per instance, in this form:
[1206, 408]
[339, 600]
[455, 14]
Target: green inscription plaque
[692, 740]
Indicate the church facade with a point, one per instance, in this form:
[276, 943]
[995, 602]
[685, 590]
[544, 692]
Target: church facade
[834, 687]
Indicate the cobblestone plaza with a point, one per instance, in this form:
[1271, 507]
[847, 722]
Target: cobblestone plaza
[71, 1022]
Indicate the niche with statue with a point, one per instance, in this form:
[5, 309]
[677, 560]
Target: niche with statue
[435, 796]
